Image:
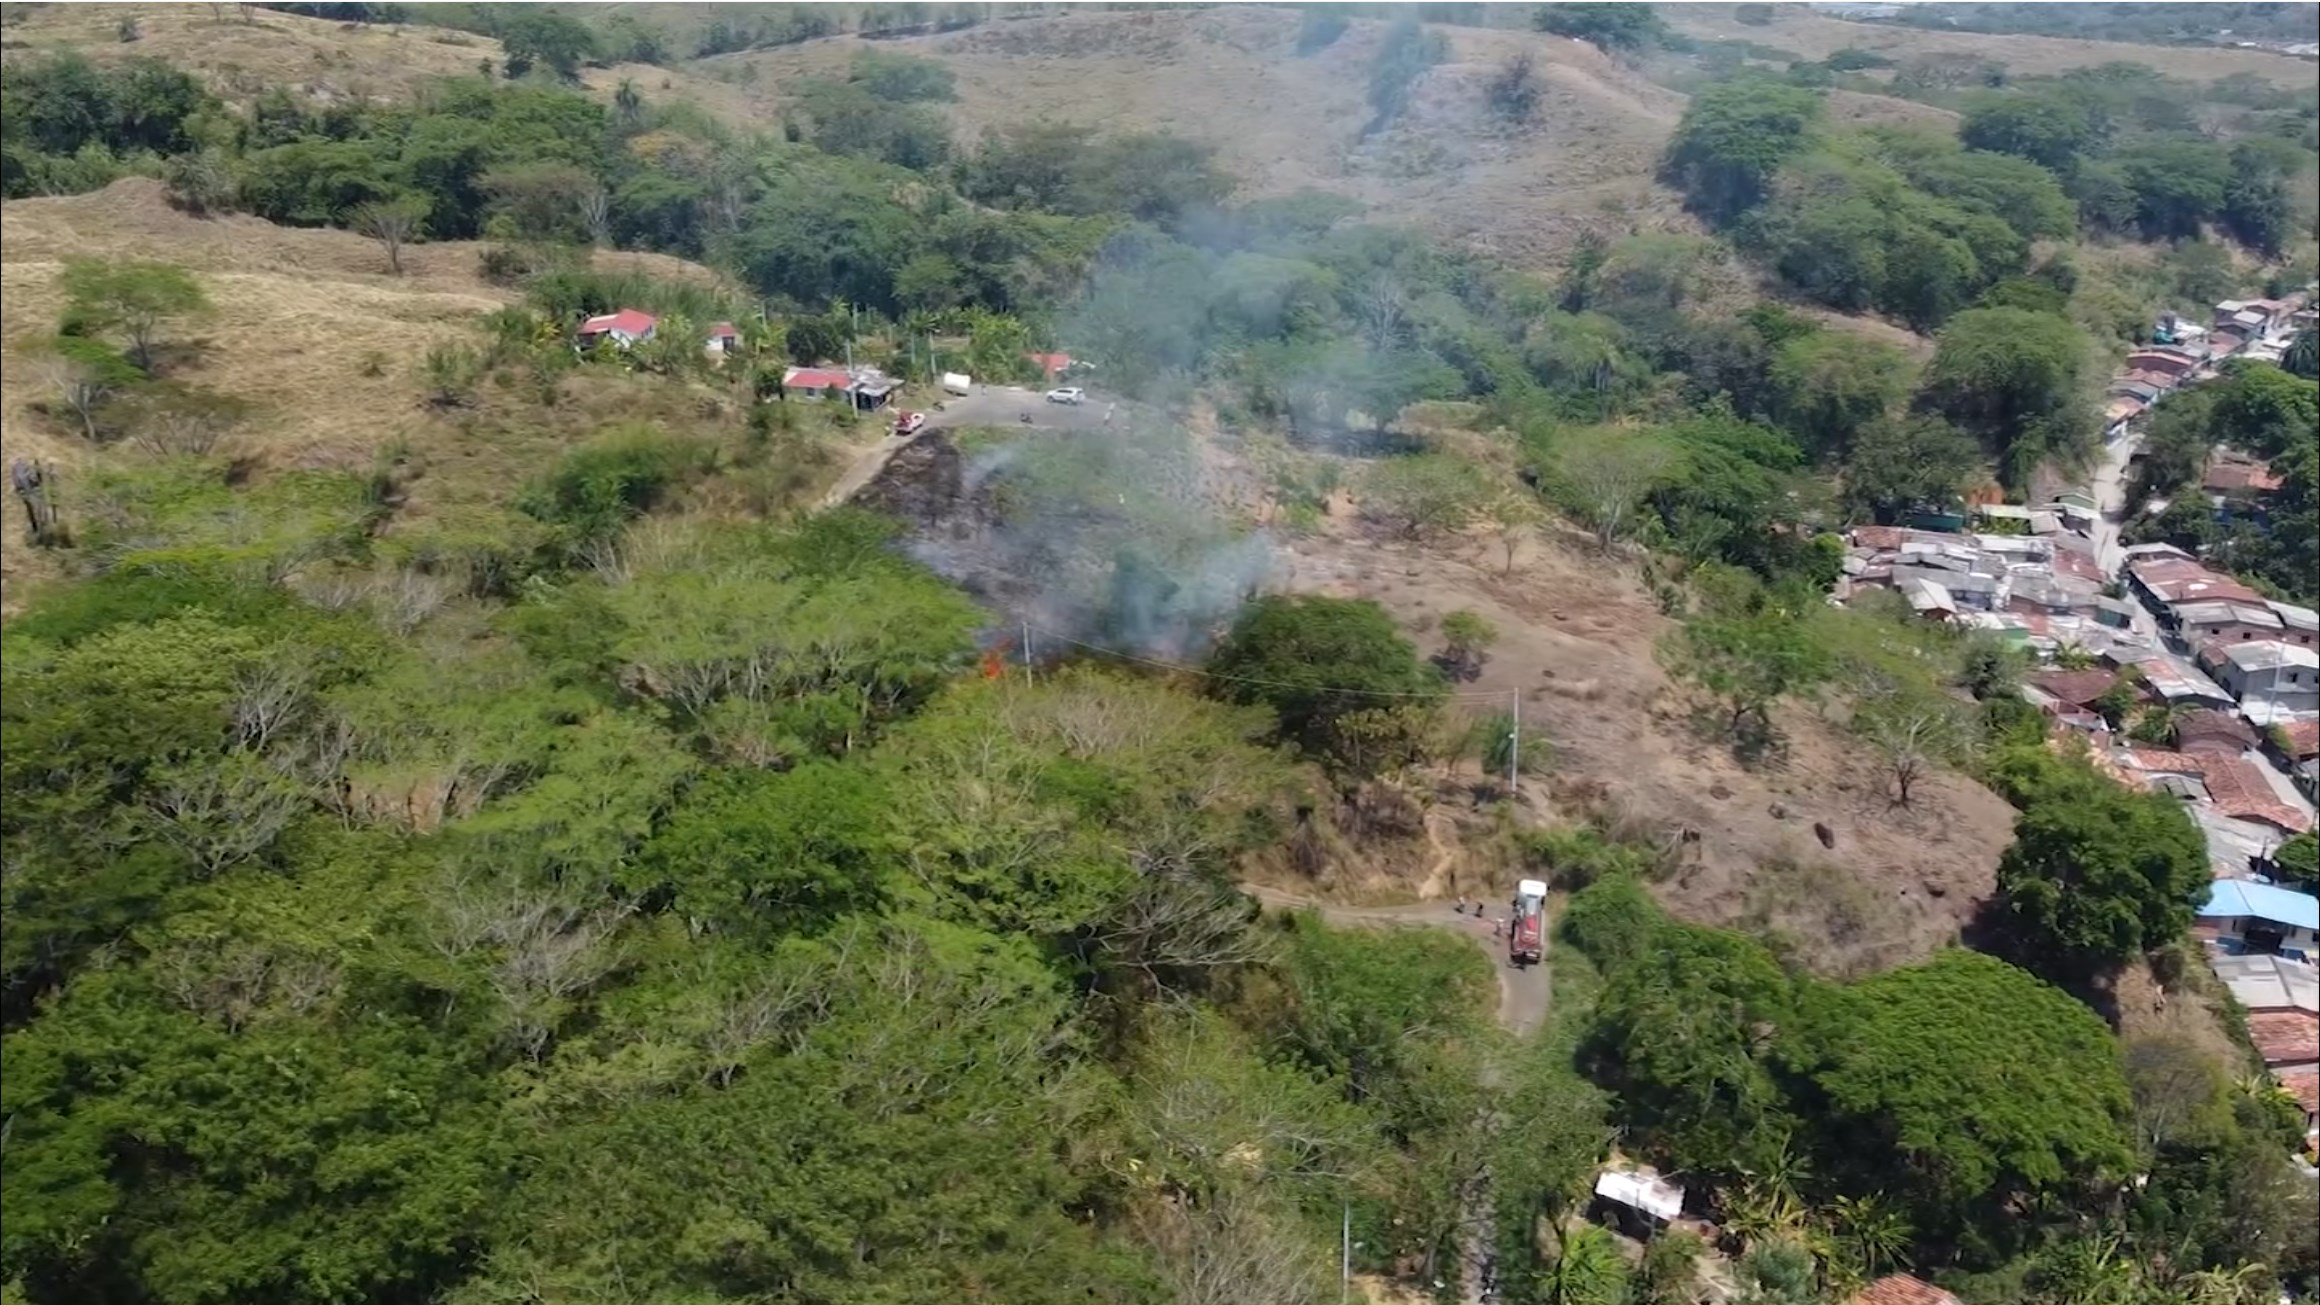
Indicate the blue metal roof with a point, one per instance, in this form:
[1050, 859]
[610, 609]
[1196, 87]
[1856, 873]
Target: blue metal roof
[2241, 898]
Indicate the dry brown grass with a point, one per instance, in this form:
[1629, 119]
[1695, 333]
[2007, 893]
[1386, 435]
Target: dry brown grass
[1576, 635]
[317, 59]
[312, 329]
[1231, 78]
[311, 57]
[1798, 29]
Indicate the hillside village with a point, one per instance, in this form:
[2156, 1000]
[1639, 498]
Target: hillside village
[1644, 656]
[2140, 629]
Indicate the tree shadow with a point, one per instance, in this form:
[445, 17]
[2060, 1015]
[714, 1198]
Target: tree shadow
[1756, 743]
[1993, 931]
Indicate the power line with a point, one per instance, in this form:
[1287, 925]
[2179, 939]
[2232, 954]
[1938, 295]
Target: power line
[1468, 696]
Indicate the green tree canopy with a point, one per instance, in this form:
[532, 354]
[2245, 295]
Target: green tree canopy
[1965, 1079]
[1831, 385]
[2097, 875]
[2015, 381]
[1318, 661]
[135, 300]
[1734, 136]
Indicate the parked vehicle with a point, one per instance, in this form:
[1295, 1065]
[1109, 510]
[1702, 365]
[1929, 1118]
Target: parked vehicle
[909, 423]
[1526, 928]
[1068, 394]
[957, 383]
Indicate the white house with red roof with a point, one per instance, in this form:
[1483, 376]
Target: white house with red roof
[626, 328]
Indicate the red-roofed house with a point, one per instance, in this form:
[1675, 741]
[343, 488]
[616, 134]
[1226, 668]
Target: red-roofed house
[723, 339]
[2170, 363]
[2076, 688]
[2285, 1038]
[625, 328]
[2234, 477]
[2215, 732]
[1902, 1289]
[2304, 1085]
[866, 387]
[1051, 365]
[2303, 738]
[2241, 792]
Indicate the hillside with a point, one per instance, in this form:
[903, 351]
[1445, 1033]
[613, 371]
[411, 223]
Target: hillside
[1807, 35]
[309, 328]
[1231, 78]
[240, 54]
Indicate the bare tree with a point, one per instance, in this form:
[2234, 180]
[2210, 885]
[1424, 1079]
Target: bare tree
[225, 811]
[391, 222]
[1235, 1252]
[2175, 1084]
[1383, 306]
[403, 598]
[545, 952]
[270, 698]
[1916, 734]
[596, 211]
[1174, 928]
[1610, 476]
[81, 389]
[171, 421]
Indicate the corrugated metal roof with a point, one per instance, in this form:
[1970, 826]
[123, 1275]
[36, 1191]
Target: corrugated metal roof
[2230, 899]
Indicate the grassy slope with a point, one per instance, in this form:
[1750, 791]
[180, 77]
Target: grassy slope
[1280, 122]
[1797, 29]
[314, 58]
[310, 327]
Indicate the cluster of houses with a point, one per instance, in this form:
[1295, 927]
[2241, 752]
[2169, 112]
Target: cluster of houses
[2183, 353]
[2238, 678]
[2030, 575]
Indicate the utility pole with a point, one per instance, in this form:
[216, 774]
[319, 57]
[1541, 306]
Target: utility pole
[1514, 751]
[1027, 651]
[1345, 1258]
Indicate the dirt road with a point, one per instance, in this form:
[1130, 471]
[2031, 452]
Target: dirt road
[1523, 995]
[991, 405]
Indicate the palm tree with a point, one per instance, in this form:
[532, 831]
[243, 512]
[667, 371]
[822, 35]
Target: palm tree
[1870, 1232]
[1586, 1269]
[2085, 1271]
[2303, 355]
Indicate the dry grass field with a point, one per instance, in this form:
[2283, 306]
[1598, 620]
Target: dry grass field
[1810, 36]
[312, 330]
[1232, 78]
[239, 56]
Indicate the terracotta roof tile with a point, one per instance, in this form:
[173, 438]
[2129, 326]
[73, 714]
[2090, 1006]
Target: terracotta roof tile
[2304, 1085]
[2242, 792]
[1902, 1289]
[2303, 738]
[2285, 1037]
[2204, 731]
[2078, 688]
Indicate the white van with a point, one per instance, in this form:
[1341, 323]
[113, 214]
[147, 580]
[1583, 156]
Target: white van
[958, 383]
